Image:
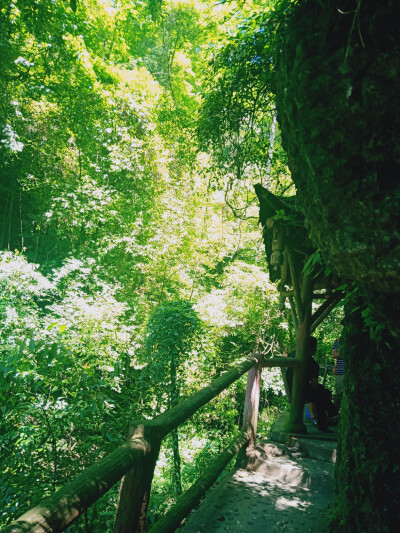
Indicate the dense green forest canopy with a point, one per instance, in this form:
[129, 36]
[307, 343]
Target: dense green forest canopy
[131, 135]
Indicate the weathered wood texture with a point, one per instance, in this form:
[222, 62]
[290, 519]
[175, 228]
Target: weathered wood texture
[191, 497]
[62, 508]
[137, 458]
[296, 424]
[325, 309]
[165, 423]
[55, 513]
[251, 402]
[294, 312]
[280, 362]
[134, 492]
[295, 281]
[179, 414]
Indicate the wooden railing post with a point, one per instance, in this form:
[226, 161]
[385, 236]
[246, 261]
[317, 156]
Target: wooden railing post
[134, 492]
[296, 424]
[135, 459]
[251, 403]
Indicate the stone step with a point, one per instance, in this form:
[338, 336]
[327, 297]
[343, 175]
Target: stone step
[284, 497]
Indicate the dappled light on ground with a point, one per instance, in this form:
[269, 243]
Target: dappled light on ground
[252, 501]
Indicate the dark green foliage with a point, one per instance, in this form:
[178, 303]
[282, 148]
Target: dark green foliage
[172, 333]
[333, 67]
[172, 336]
[59, 394]
[368, 472]
[338, 106]
[239, 104]
[101, 186]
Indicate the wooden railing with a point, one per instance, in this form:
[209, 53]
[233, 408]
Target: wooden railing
[134, 463]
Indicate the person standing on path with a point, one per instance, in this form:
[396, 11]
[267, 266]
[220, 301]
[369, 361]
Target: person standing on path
[339, 373]
[316, 393]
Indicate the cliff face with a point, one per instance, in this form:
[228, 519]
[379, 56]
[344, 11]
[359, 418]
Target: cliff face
[338, 91]
[338, 101]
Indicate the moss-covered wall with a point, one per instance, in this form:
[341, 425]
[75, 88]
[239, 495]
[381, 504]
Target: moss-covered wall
[338, 101]
[368, 463]
[338, 90]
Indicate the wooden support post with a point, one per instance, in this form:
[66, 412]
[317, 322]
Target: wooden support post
[57, 512]
[135, 459]
[179, 414]
[134, 492]
[296, 424]
[251, 403]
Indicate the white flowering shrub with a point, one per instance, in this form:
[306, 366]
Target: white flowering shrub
[10, 140]
[64, 356]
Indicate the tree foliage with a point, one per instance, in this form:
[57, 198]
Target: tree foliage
[237, 119]
[131, 265]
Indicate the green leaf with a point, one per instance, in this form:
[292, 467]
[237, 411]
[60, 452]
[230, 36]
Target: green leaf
[32, 345]
[21, 348]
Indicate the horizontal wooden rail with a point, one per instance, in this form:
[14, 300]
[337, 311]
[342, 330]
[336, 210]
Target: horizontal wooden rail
[278, 362]
[175, 417]
[169, 522]
[57, 512]
[62, 508]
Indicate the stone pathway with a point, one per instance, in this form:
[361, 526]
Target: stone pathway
[281, 489]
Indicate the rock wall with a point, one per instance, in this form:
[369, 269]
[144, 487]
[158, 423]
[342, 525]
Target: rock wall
[338, 100]
[338, 91]
[368, 463]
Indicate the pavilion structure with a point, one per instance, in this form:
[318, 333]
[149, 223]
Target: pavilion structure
[296, 264]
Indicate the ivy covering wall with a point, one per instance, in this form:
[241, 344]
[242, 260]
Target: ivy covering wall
[338, 103]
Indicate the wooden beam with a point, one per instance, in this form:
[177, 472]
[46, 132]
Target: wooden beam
[134, 492]
[295, 424]
[56, 513]
[325, 309]
[284, 268]
[280, 362]
[294, 314]
[179, 414]
[316, 295]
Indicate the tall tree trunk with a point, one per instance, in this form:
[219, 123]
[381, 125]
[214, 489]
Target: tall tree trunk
[368, 465]
[176, 469]
[176, 472]
[338, 104]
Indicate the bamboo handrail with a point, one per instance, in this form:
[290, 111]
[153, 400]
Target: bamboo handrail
[58, 511]
[175, 417]
[55, 513]
[171, 520]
